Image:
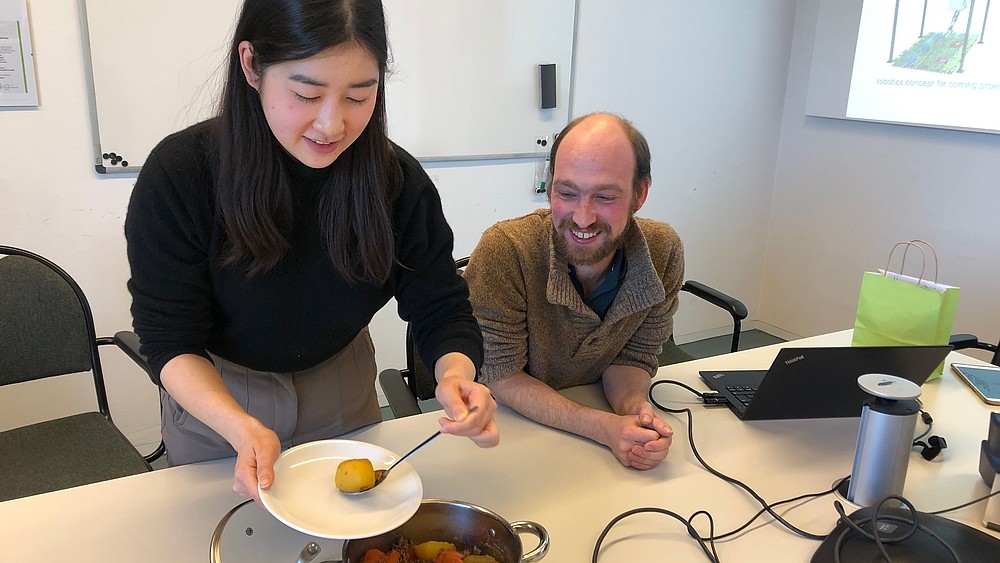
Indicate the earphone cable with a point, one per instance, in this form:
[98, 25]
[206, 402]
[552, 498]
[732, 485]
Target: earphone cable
[926, 417]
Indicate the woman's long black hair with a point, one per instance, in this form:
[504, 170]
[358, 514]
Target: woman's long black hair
[253, 192]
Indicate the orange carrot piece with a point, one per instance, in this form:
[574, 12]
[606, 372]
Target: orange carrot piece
[375, 556]
[449, 556]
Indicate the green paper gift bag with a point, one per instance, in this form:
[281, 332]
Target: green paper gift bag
[900, 310]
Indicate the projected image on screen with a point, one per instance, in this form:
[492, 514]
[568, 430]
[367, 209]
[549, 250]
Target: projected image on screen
[933, 62]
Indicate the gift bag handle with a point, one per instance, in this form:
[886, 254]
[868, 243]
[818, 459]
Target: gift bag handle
[919, 245]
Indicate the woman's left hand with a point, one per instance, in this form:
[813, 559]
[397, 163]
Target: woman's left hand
[469, 406]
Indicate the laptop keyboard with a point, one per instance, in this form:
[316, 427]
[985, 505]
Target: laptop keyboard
[743, 393]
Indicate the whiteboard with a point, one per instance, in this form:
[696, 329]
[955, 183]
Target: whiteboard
[463, 80]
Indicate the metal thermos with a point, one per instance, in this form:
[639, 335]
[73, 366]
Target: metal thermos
[885, 439]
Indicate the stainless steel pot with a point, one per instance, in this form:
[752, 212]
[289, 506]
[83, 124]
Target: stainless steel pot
[249, 533]
[460, 523]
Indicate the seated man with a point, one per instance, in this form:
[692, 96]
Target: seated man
[583, 292]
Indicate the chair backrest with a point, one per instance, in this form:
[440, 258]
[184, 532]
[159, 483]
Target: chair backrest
[419, 378]
[46, 325]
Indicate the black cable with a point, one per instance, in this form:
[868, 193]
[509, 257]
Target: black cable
[677, 383]
[711, 530]
[876, 536]
[712, 555]
[963, 505]
[926, 417]
[710, 550]
[712, 537]
[713, 471]
[776, 504]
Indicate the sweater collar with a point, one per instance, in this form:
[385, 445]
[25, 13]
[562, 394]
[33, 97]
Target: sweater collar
[302, 175]
[641, 289]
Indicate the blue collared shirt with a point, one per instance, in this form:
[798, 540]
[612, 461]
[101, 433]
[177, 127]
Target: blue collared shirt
[604, 294]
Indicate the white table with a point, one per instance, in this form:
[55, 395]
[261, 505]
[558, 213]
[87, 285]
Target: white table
[571, 486]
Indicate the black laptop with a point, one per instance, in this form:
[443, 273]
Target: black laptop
[819, 382]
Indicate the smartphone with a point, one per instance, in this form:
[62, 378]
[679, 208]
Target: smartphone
[984, 380]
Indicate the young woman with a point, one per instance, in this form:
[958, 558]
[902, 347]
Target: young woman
[262, 242]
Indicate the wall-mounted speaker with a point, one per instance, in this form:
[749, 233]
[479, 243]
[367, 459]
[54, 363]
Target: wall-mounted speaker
[547, 86]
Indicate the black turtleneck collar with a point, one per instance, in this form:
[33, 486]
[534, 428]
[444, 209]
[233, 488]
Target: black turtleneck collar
[302, 175]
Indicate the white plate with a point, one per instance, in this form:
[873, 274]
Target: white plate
[305, 497]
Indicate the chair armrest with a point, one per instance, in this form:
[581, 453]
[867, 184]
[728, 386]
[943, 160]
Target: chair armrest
[963, 341]
[128, 342]
[733, 306]
[402, 403]
[736, 309]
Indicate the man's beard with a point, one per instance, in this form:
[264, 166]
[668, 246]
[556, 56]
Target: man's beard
[579, 256]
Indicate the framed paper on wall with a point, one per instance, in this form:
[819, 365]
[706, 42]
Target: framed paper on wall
[17, 67]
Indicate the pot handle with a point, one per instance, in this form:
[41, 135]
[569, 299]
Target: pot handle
[539, 532]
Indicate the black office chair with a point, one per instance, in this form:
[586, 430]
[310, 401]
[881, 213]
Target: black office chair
[404, 388]
[47, 330]
[128, 342]
[966, 341]
[673, 354]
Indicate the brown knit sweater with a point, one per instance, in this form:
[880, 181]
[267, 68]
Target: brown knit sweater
[534, 319]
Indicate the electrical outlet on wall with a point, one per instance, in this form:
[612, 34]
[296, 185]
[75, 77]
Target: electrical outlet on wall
[542, 147]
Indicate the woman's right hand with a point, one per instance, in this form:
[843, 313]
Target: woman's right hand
[468, 405]
[256, 451]
[195, 384]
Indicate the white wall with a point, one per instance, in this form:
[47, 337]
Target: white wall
[474, 196]
[704, 80]
[845, 192]
[53, 202]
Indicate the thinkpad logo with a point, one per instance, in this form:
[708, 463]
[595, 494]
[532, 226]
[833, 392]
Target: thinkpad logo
[791, 361]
